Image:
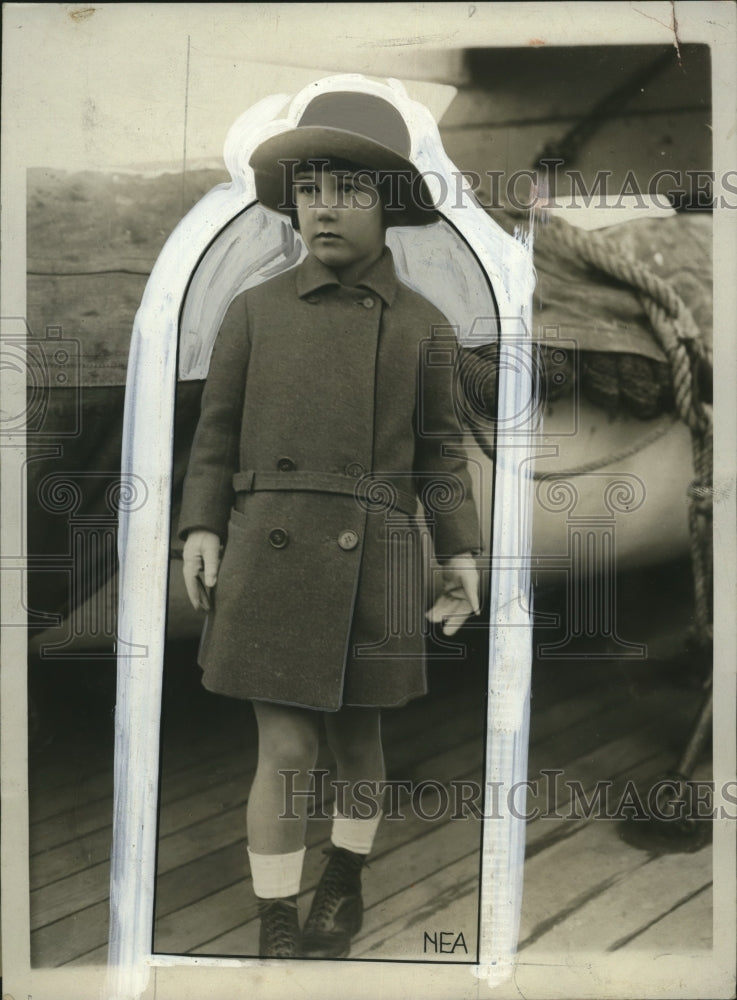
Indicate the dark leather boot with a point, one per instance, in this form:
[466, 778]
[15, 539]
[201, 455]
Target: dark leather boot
[279, 935]
[336, 913]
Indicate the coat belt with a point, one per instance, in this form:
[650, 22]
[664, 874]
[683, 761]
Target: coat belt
[374, 492]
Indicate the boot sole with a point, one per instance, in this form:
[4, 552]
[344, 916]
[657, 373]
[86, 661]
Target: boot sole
[334, 943]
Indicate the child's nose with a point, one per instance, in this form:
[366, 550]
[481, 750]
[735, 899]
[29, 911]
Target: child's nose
[326, 208]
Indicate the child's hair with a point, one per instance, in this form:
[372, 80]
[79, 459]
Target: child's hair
[389, 185]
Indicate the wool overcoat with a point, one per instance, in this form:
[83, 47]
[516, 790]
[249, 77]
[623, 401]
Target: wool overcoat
[327, 413]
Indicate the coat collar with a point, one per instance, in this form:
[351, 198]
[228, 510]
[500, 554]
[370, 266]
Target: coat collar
[380, 277]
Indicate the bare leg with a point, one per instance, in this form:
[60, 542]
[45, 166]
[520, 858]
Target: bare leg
[354, 736]
[336, 914]
[288, 739]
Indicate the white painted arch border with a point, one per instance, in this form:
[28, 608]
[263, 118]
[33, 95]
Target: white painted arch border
[144, 543]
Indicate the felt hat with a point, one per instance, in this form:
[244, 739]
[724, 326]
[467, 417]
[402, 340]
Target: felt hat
[346, 125]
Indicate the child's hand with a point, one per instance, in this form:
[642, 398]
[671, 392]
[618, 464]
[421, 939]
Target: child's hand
[201, 560]
[460, 595]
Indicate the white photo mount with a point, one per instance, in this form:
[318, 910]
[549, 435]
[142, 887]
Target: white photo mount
[174, 300]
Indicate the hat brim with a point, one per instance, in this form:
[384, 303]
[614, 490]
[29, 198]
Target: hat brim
[309, 142]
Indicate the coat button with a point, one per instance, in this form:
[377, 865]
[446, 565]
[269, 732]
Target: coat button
[348, 540]
[285, 464]
[355, 470]
[368, 302]
[278, 537]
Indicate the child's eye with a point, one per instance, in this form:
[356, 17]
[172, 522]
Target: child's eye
[306, 187]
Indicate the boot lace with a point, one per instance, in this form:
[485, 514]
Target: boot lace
[279, 918]
[342, 877]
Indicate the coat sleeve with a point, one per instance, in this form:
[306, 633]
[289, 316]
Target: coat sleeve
[441, 471]
[208, 485]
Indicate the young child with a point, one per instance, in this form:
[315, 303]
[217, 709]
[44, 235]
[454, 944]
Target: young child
[324, 418]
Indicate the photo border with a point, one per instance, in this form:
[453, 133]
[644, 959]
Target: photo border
[507, 25]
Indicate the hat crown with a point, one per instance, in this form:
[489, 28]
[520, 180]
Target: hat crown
[361, 114]
[349, 126]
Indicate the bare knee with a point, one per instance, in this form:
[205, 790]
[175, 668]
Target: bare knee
[287, 737]
[354, 735]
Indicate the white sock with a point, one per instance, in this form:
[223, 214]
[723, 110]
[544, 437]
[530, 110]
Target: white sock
[276, 875]
[355, 835]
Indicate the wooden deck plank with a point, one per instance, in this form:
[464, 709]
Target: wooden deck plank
[560, 831]
[90, 886]
[94, 848]
[56, 783]
[585, 750]
[652, 913]
[191, 841]
[88, 849]
[442, 767]
[390, 832]
[76, 934]
[561, 879]
[420, 715]
[219, 868]
[210, 837]
[182, 931]
[46, 802]
[562, 715]
[449, 931]
[658, 886]
[67, 896]
[84, 851]
[687, 926]
[96, 815]
[390, 875]
[87, 819]
[398, 931]
[239, 940]
[634, 757]
[189, 796]
[417, 716]
[82, 815]
[94, 779]
[616, 732]
[56, 897]
[599, 890]
[569, 817]
[98, 956]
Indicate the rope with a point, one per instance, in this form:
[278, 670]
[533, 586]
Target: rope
[671, 319]
[689, 358]
[701, 494]
[657, 432]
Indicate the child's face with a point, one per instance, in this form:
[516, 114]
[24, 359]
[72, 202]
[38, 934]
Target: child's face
[341, 219]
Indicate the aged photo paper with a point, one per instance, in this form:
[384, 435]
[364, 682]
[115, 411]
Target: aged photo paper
[560, 807]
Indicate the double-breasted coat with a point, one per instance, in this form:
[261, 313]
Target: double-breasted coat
[327, 412]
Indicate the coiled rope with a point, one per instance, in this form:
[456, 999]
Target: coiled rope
[690, 361]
